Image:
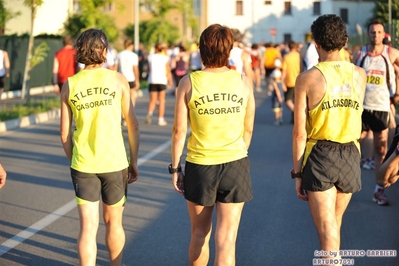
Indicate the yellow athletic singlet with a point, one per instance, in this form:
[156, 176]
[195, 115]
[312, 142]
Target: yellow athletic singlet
[98, 143]
[338, 116]
[217, 111]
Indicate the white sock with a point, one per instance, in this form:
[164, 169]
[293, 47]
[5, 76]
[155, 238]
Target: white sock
[377, 187]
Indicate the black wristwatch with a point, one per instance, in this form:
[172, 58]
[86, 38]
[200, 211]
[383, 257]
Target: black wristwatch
[174, 170]
[295, 175]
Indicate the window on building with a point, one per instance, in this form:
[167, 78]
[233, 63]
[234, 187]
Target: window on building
[287, 37]
[145, 6]
[109, 7]
[287, 8]
[239, 8]
[268, 3]
[344, 15]
[316, 8]
[76, 6]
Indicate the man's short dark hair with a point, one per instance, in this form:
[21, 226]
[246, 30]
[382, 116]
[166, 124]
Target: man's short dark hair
[67, 40]
[292, 45]
[329, 32]
[374, 22]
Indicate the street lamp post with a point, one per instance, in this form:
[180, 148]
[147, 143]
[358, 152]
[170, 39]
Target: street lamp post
[136, 25]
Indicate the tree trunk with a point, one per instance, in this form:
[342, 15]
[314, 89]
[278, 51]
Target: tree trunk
[25, 92]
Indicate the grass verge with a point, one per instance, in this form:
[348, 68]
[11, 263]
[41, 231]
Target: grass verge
[36, 106]
[30, 108]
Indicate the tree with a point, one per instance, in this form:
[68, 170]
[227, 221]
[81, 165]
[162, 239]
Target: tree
[5, 15]
[91, 15]
[33, 5]
[158, 29]
[151, 32]
[189, 18]
[381, 12]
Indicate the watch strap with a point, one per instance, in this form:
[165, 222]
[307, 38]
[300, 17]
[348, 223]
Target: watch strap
[174, 170]
[295, 175]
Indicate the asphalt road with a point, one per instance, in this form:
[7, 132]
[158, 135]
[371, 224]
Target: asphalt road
[39, 221]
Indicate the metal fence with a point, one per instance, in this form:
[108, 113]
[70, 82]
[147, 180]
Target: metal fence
[17, 48]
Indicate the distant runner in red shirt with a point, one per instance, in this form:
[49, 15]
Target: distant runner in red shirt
[64, 65]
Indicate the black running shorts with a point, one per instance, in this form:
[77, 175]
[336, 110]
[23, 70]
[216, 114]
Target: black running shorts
[112, 186]
[333, 164]
[228, 182]
[156, 87]
[132, 84]
[289, 94]
[377, 121]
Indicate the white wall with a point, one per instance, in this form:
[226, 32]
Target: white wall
[258, 18]
[49, 18]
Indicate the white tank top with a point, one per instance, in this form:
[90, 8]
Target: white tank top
[2, 68]
[378, 69]
[235, 59]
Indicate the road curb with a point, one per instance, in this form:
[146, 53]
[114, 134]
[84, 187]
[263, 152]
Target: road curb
[29, 120]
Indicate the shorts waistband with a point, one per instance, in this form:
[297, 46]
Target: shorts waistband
[334, 143]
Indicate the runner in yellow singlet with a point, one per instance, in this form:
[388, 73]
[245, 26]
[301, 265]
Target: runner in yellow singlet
[327, 126]
[95, 98]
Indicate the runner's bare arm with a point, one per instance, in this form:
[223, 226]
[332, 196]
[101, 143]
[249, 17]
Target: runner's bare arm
[360, 82]
[66, 122]
[132, 126]
[3, 176]
[179, 130]
[388, 172]
[299, 134]
[249, 112]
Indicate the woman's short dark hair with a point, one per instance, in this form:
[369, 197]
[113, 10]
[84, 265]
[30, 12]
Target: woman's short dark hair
[160, 47]
[90, 47]
[329, 31]
[216, 42]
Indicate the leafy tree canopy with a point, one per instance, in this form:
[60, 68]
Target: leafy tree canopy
[91, 15]
[153, 31]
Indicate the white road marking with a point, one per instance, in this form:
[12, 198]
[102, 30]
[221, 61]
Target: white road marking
[54, 216]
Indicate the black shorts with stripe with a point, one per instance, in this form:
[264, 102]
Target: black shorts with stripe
[111, 186]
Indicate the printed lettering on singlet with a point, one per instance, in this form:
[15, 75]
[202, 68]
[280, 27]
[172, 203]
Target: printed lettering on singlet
[341, 96]
[376, 77]
[82, 100]
[219, 97]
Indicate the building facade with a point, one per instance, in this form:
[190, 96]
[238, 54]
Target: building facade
[261, 20]
[281, 20]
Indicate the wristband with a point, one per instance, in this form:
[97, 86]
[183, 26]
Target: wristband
[174, 170]
[295, 175]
